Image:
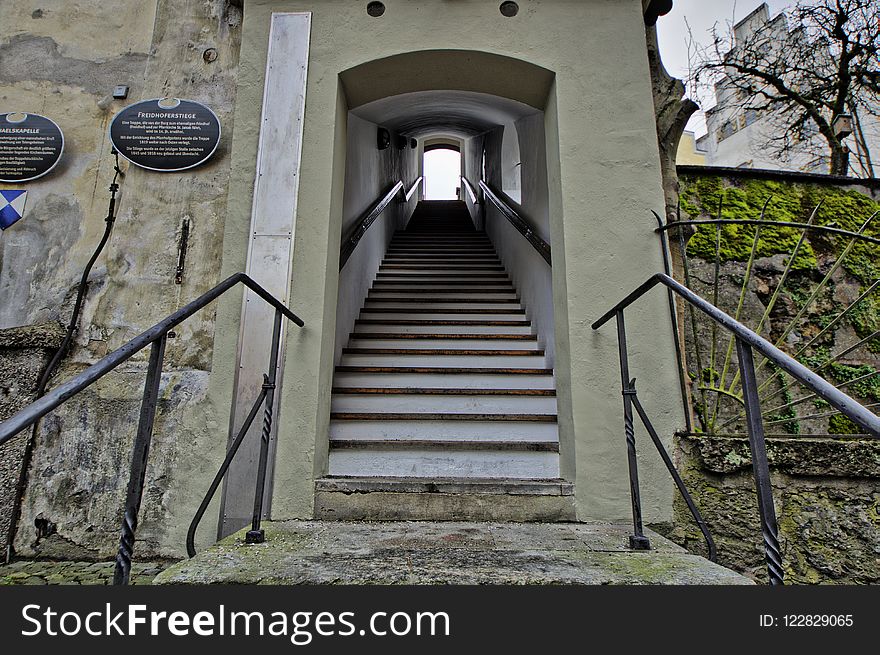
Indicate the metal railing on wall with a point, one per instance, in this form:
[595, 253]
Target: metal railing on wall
[365, 220]
[746, 341]
[156, 338]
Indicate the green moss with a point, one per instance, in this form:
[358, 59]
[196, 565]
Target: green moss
[846, 209]
[839, 424]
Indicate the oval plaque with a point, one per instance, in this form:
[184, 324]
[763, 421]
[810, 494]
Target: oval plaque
[30, 146]
[166, 134]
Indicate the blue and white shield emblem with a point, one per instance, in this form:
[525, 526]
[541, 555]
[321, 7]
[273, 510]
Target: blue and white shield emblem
[11, 207]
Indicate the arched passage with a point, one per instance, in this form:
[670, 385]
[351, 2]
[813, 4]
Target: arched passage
[445, 270]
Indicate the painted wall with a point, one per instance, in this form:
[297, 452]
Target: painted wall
[369, 173]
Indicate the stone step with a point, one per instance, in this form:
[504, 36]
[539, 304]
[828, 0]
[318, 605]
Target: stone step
[489, 544]
[469, 380]
[439, 328]
[465, 362]
[445, 429]
[442, 305]
[437, 340]
[449, 462]
[443, 403]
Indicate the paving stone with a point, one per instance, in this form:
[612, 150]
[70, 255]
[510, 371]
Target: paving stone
[338, 552]
[73, 573]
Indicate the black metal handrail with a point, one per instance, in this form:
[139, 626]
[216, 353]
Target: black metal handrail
[520, 223]
[412, 189]
[156, 337]
[471, 191]
[746, 342]
[365, 220]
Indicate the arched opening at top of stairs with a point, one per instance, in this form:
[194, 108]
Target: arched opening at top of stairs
[445, 339]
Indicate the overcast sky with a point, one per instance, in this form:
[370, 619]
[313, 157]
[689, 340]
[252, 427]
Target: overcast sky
[701, 15]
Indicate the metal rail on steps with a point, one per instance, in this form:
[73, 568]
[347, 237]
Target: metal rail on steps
[156, 338]
[365, 220]
[518, 221]
[746, 342]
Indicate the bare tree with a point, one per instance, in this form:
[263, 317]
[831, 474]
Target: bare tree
[800, 71]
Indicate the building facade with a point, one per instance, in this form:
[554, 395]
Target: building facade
[741, 136]
[305, 92]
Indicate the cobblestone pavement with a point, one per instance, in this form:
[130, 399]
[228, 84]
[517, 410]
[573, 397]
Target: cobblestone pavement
[42, 572]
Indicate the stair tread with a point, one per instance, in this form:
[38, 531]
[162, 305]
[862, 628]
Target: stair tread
[435, 416]
[443, 391]
[444, 444]
[441, 352]
[444, 370]
[441, 335]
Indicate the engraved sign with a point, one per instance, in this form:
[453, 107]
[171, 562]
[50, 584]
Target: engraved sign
[166, 134]
[30, 146]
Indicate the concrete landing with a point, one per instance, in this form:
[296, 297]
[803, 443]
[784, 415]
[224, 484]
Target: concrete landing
[354, 553]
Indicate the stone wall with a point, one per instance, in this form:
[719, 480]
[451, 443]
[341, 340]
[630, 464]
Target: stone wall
[23, 354]
[63, 60]
[825, 477]
[827, 498]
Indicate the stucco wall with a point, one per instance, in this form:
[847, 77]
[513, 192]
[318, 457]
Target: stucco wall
[369, 173]
[605, 177]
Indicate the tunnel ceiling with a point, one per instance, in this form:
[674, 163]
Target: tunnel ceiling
[462, 114]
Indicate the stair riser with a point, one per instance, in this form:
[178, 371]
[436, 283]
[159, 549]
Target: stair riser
[429, 464]
[452, 296]
[439, 316]
[443, 381]
[436, 404]
[381, 286]
[445, 430]
[444, 329]
[445, 344]
[438, 307]
[446, 361]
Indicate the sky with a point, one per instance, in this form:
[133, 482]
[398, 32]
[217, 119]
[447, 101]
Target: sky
[701, 15]
[441, 175]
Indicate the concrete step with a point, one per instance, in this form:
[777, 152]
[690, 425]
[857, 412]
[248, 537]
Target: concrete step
[439, 328]
[438, 341]
[443, 286]
[435, 298]
[445, 430]
[443, 403]
[468, 314]
[446, 361]
[448, 462]
[403, 551]
[442, 305]
[467, 380]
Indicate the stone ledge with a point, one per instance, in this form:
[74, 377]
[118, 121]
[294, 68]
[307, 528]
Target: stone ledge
[806, 456]
[44, 335]
[315, 552]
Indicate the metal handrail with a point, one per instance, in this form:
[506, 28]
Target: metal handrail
[472, 193]
[156, 337]
[413, 188]
[746, 342]
[365, 220]
[520, 223]
[816, 383]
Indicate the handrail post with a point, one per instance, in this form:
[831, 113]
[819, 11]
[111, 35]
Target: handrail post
[638, 540]
[140, 453]
[257, 535]
[760, 466]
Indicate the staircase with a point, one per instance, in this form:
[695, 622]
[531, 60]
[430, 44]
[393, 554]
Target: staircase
[443, 388]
